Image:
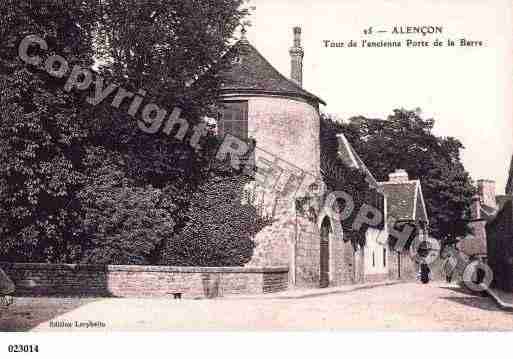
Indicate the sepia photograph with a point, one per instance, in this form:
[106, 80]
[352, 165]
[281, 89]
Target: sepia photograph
[255, 166]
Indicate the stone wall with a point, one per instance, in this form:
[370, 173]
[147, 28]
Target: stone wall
[475, 244]
[500, 248]
[401, 266]
[286, 128]
[307, 254]
[344, 262]
[409, 268]
[143, 281]
[377, 277]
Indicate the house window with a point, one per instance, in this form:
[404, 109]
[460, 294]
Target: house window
[233, 119]
[384, 257]
[373, 259]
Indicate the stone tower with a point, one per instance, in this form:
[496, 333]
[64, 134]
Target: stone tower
[283, 119]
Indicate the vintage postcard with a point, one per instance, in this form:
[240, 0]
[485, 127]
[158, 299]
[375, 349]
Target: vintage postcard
[263, 165]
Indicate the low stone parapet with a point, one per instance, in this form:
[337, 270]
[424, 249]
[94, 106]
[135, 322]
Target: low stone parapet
[36, 279]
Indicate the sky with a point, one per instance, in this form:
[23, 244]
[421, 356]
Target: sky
[467, 90]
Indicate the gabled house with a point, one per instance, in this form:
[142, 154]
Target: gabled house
[405, 204]
[405, 198]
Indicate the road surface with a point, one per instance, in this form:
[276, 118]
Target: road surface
[404, 306]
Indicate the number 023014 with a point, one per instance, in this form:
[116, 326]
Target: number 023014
[23, 348]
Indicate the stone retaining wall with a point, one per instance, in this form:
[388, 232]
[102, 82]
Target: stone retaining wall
[376, 277]
[33, 279]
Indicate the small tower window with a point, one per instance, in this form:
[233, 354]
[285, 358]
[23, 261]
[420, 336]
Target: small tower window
[384, 257]
[233, 119]
[373, 259]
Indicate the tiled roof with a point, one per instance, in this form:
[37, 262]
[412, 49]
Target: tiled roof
[505, 211]
[404, 200]
[350, 158]
[502, 199]
[250, 72]
[400, 199]
[489, 213]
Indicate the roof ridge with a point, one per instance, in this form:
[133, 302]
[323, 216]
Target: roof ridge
[356, 160]
[403, 182]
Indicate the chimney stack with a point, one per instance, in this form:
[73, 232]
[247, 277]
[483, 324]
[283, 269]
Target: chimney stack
[399, 176]
[486, 191]
[296, 58]
[475, 208]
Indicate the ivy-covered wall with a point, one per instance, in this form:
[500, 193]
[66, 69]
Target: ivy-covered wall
[224, 219]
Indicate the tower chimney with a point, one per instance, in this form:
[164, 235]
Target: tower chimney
[296, 58]
[399, 176]
[475, 208]
[486, 191]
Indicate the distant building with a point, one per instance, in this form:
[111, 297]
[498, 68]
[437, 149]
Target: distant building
[485, 207]
[499, 238]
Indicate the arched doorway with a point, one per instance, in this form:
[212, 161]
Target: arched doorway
[325, 253]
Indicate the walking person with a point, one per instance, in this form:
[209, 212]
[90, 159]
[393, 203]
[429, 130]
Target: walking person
[424, 273]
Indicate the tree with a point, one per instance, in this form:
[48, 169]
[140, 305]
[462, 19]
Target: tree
[171, 49]
[165, 46]
[122, 223]
[41, 132]
[405, 140]
[223, 222]
[78, 182]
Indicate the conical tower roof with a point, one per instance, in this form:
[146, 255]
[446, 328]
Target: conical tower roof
[250, 72]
